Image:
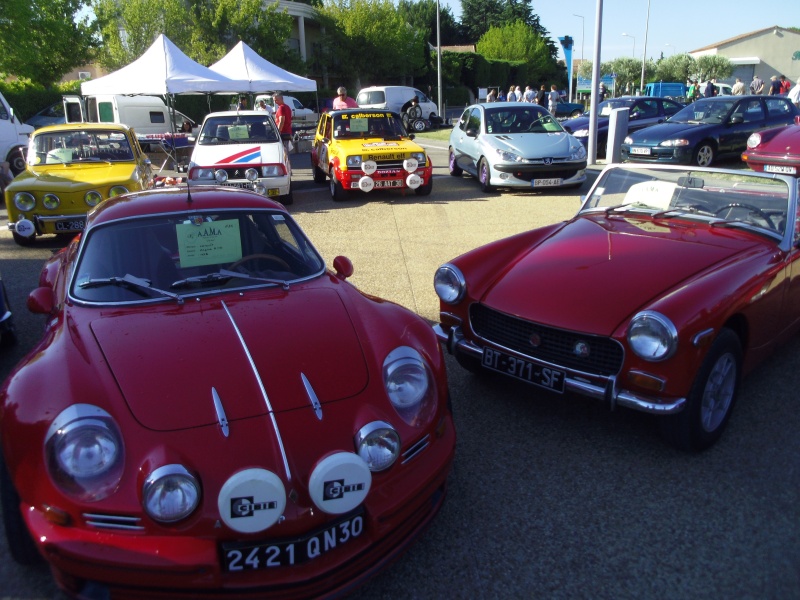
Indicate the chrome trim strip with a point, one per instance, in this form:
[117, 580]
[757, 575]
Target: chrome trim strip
[312, 396]
[113, 522]
[455, 341]
[415, 449]
[699, 337]
[56, 218]
[263, 392]
[221, 418]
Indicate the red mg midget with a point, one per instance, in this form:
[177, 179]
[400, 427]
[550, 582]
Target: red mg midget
[213, 413]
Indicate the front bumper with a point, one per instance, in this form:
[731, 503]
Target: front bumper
[273, 186]
[600, 388]
[388, 179]
[526, 175]
[53, 224]
[678, 155]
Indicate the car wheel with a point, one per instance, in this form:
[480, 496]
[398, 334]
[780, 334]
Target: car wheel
[425, 189]
[455, 170]
[16, 161]
[338, 193]
[319, 175]
[484, 175]
[20, 543]
[711, 399]
[419, 125]
[22, 240]
[703, 155]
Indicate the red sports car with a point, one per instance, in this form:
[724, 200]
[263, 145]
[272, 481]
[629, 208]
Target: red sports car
[775, 150]
[212, 413]
[666, 287]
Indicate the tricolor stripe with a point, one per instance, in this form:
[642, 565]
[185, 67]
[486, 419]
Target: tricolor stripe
[245, 156]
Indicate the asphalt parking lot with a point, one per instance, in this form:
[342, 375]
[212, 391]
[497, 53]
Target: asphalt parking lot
[551, 496]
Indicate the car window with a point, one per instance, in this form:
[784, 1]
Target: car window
[79, 146]
[778, 107]
[372, 97]
[367, 124]
[670, 107]
[474, 121]
[238, 129]
[750, 111]
[704, 111]
[464, 120]
[645, 109]
[205, 252]
[510, 119]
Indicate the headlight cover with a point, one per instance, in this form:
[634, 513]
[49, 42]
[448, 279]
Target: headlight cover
[754, 140]
[170, 493]
[272, 171]
[577, 152]
[678, 142]
[449, 284]
[581, 133]
[420, 156]
[84, 452]
[508, 156]
[117, 190]
[652, 336]
[353, 162]
[24, 201]
[408, 385]
[92, 198]
[378, 444]
[50, 201]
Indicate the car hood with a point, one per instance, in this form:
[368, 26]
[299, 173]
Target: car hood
[532, 145]
[237, 154]
[54, 178]
[168, 363]
[664, 131]
[378, 148]
[594, 273]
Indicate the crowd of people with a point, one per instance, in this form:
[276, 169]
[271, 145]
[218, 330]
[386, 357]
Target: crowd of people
[542, 96]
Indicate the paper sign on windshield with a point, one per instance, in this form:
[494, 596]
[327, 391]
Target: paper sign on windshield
[209, 243]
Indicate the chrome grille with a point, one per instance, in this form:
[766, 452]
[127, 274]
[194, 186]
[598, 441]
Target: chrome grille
[124, 522]
[555, 346]
[415, 449]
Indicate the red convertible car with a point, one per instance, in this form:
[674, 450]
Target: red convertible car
[213, 413]
[666, 287]
[775, 150]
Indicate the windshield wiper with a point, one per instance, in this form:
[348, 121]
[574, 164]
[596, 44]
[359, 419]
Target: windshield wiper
[129, 281]
[225, 275]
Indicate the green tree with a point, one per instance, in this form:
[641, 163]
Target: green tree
[421, 15]
[369, 39]
[42, 40]
[519, 42]
[713, 66]
[678, 67]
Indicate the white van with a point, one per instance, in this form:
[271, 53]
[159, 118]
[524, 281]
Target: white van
[14, 137]
[395, 97]
[145, 114]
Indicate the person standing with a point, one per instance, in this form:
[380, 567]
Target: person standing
[492, 96]
[756, 86]
[786, 85]
[552, 99]
[541, 96]
[774, 86]
[738, 88]
[342, 100]
[794, 94]
[283, 119]
[710, 90]
[511, 96]
[529, 95]
[692, 92]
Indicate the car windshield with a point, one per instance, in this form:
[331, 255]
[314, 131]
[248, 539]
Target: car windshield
[68, 146]
[367, 124]
[238, 129]
[176, 256]
[722, 198]
[520, 119]
[705, 111]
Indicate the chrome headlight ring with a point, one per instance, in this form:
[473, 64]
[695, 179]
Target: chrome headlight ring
[378, 444]
[92, 198]
[449, 283]
[652, 336]
[408, 384]
[51, 201]
[117, 190]
[24, 201]
[170, 493]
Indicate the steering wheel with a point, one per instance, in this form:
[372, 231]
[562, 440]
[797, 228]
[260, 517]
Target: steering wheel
[269, 257]
[749, 207]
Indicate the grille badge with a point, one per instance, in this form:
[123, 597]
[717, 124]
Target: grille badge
[535, 340]
[581, 349]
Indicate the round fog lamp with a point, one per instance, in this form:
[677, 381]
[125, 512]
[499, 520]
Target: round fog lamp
[170, 494]
[410, 164]
[413, 181]
[378, 444]
[369, 167]
[221, 175]
[251, 174]
[366, 184]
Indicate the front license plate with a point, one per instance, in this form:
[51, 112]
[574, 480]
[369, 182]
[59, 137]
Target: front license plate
[273, 192]
[239, 556]
[520, 368]
[635, 150]
[388, 183]
[546, 182]
[780, 169]
[75, 225]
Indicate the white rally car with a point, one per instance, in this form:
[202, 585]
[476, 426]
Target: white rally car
[242, 149]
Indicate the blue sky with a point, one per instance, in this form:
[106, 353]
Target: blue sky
[676, 26]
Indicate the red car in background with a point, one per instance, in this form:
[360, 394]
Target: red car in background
[658, 295]
[775, 150]
[211, 412]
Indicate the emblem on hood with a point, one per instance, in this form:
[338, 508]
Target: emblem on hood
[581, 349]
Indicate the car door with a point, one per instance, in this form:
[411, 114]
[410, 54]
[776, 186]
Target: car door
[779, 111]
[467, 149]
[321, 141]
[746, 117]
[644, 113]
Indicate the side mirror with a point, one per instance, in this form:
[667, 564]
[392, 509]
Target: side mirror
[41, 301]
[343, 267]
[472, 132]
[736, 119]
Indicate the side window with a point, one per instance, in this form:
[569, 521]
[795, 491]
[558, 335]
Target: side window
[157, 116]
[751, 111]
[777, 107]
[475, 120]
[462, 122]
[649, 109]
[670, 108]
[3, 111]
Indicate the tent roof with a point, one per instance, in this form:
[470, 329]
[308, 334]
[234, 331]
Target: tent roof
[162, 69]
[243, 63]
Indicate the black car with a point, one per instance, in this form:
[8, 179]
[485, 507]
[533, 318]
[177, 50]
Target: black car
[643, 111]
[52, 115]
[708, 129]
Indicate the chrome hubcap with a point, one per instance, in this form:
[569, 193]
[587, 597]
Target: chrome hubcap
[718, 395]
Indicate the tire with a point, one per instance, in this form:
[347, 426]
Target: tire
[455, 170]
[484, 176]
[425, 190]
[23, 241]
[418, 125]
[288, 198]
[711, 399]
[20, 543]
[16, 160]
[338, 193]
[319, 175]
[703, 155]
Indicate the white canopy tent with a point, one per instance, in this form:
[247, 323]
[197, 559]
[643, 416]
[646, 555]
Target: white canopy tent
[242, 63]
[163, 69]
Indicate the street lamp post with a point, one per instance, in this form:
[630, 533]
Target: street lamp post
[583, 40]
[644, 54]
[633, 52]
[439, 62]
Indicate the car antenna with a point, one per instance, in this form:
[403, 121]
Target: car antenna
[188, 192]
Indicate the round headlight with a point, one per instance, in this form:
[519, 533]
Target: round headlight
[407, 383]
[24, 201]
[652, 336]
[378, 444]
[92, 198]
[754, 140]
[50, 201]
[221, 175]
[84, 452]
[353, 162]
[170, 494]
[251, 174]
[449, 284]
[117, 190]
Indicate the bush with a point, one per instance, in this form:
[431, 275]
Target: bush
[28, 98]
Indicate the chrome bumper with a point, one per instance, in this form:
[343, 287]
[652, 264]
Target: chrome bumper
[455, 341]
